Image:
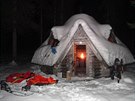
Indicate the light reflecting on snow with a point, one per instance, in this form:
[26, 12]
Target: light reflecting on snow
[102, 89]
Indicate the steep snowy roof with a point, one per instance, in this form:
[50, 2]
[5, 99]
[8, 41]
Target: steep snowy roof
[97, 33]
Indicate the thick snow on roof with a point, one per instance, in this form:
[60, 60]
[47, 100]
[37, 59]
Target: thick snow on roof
[97, 33]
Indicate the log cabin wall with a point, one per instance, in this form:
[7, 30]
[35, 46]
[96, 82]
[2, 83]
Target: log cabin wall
[94, 67]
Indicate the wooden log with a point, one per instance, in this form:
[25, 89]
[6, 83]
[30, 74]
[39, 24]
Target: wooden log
[68, 76]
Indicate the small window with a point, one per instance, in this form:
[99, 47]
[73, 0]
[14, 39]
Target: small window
[53, 42]
[112, 37]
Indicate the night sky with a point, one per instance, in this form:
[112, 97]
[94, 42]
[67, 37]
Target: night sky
[33, 19]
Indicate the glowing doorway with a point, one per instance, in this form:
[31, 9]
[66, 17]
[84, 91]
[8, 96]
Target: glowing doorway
[80, 60]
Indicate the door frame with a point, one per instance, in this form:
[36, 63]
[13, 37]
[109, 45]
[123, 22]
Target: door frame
[75, 58]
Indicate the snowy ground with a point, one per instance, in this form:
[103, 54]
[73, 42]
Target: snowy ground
[103, 89]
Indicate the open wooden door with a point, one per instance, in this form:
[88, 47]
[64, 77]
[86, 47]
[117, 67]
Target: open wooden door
[80, 60]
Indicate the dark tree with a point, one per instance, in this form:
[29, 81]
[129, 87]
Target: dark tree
[115, 12]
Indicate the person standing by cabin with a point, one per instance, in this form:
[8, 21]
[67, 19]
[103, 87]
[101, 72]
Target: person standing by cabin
[113, 69]
[122, 67]
[116, 70]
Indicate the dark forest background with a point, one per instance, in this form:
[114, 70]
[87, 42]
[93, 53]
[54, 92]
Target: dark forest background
[25, 24]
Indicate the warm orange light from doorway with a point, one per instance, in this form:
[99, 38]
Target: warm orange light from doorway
[82, 56]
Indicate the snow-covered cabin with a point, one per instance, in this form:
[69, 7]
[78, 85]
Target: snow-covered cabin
[83, 44]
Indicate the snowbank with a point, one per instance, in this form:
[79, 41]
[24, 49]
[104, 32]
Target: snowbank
[103, 89]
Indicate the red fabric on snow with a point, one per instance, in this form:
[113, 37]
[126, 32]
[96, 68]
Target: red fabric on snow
[32, 78]
[19, 77]
[38, 79]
